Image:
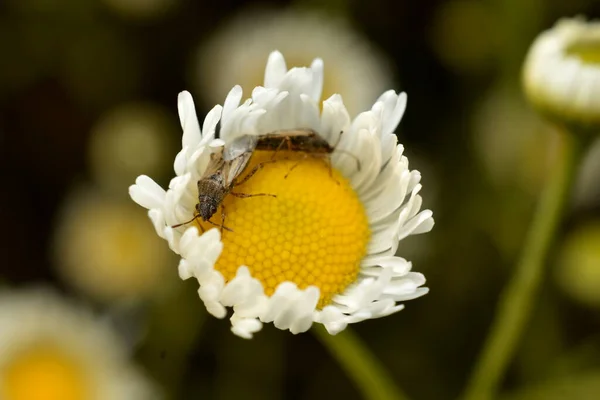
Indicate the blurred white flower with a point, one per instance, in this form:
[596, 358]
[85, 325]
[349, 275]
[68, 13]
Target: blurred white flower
[103, 248]
[53, 350]
[130, 139]
[235, 55]
[561, 75]
[323, 249]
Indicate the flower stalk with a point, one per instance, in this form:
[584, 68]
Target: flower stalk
[517, 299]
[360, 364]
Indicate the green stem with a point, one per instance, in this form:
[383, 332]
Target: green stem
[360, 364]
[518, 297]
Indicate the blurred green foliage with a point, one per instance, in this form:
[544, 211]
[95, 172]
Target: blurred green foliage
[66, 63]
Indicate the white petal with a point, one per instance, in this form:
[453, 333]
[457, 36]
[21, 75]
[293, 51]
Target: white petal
[181, 161]
[309, 113]
[210, 292]
[276, 70]
[158, 220]
[232, 101]
[398, 265]
[422, 222]
[332, 319]
[304, 310]
[147, 193]
[334, 119]
[394, 107]
[210, 124]
[189, 121]
[245, 327]
[317, 81]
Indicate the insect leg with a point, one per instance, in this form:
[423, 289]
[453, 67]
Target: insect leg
[254, 170]
[296, 165]
[222, 218]
[287, 140]
[220, 226]
[327, 161]
[246, 195]
[291, 169]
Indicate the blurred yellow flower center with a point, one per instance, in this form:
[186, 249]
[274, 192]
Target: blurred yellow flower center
[127, 260]
[588, 52]
[43, 373]
[315, 232]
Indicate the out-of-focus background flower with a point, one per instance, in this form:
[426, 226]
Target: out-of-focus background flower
[88, 93]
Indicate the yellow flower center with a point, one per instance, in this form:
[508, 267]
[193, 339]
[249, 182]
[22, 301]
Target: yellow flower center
[586, 51]
[127, 258]
[43, 373]
[315, 232]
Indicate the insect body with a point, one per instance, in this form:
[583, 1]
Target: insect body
[302, 140]
[221, 176]
[227, 164]
[306, 141]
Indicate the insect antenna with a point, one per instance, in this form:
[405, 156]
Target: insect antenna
[358, 166]
[187, 222]
[209, 221]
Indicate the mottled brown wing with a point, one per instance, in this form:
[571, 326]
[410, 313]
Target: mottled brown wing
[239, 146]
[300, 140]
[291, 132]
[233, 168]
[236, 157]
[215, 164]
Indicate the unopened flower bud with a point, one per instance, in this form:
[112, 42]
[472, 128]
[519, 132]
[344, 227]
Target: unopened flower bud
[561, 75]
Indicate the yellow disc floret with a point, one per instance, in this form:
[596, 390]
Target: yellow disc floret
[314, 232]
[586, 51]
[43, 372]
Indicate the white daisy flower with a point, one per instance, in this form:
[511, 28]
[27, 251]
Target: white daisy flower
[323, 250]
[119, 259]
[51, 350]
[236, 54]
[561, 75]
